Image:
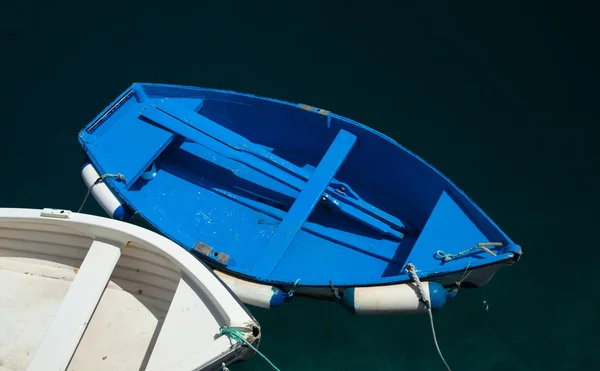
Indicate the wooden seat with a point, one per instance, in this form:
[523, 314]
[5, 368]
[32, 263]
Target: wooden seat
[304, 204]
[75, 312]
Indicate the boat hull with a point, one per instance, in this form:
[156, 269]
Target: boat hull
[286, 195]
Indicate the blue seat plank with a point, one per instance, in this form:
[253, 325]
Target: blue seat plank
[281, 169]
[351, 241]
[181, 128]
[304, 204]
[209, 127]
[130, 149]
[152, 151]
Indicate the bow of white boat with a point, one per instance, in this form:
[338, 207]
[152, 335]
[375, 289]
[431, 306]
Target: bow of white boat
[82, 292]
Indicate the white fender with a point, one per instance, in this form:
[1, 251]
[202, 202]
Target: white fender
[394, 299]
[256, 294]
[107, 200]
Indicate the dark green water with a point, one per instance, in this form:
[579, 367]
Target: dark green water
[501, 98]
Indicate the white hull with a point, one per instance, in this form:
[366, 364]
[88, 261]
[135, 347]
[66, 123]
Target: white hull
[91, 293]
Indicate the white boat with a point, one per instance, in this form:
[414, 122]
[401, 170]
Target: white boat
[82, 292]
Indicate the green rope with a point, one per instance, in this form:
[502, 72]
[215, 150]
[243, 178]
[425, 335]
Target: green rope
[239, 336]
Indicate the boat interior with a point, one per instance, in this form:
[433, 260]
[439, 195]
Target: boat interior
[269, 184]
[68, 299]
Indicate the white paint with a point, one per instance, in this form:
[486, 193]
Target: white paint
[173, 351]
[250, 293]
[393, 299]
[100, 191]
[60, 342]
[39, 258]
[53, 213]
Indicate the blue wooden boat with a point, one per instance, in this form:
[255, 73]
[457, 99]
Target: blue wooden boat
[287, 195]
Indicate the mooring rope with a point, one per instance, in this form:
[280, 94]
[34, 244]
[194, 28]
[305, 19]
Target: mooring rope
[117, 176]
[482, 245]
[466, 274]
[410, 268]
[293, 289]
[238, 335]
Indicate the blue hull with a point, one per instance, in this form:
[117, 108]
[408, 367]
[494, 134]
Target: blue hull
[279, 192]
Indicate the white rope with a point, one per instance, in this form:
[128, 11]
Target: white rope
[466, 274]
[435, 339]
[410, 268]
[411, 271]
[293, 289]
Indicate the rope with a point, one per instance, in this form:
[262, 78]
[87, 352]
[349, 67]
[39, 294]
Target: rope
[435, 339]
[118, 176]
[482, 245]
[411, 271]
[132, 215]
[238, 335]
[224, 367]
[465, 275]
[410, 268]
[335, 292]
[293, 289]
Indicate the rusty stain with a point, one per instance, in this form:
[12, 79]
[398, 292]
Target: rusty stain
[306, 107]
[75, 270]
[140, 292]
[203, 248]
[103, 358]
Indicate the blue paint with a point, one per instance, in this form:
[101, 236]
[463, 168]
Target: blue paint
[214, 136]
[438, 295]
[150, 173]
[119, 213]
[279, 298]
[384, 252]
[150, 151]
[232, 167]
[448, 227]
[140, 94]
[304, 204]
[348, 300]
